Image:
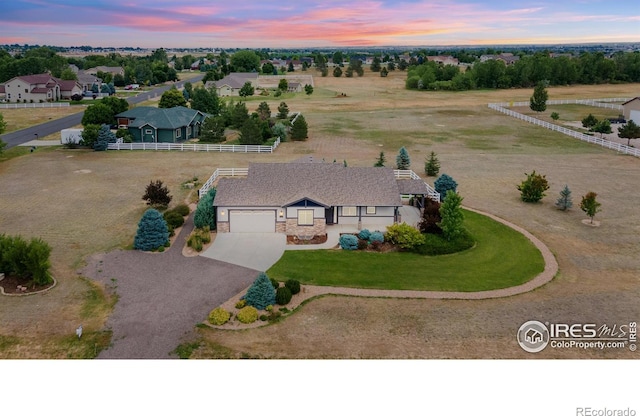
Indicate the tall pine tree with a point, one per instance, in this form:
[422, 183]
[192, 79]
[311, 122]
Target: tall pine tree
[299, 129]
[206, 212]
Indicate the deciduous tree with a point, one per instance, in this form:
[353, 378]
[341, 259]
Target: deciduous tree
[205, 100]
[629, 131]
[172, 98]
[157, 194]
[247, 90]
[98, 113]
[589, 205]
[532, 189]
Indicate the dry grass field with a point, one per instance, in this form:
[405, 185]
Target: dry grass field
[84, 202]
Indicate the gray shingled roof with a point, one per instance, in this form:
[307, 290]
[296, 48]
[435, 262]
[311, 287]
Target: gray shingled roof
[161, 118]
[329, 184]
[412, 187]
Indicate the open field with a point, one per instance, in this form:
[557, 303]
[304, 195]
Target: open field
[20, 118]
[50, 194]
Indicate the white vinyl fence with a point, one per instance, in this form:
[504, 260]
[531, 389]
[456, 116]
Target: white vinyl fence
[622, 148]
[196, 147]
[221, 172]
[33, 105]
[409, 174]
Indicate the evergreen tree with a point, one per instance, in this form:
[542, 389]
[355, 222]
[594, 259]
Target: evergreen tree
[251, 132]
[403, 162]
[381, 161]
[206, 212]
[105, 136]
[538, 101]
[589, 121]
[299, 129]
[283, 111]
[152, 231]
[308, 89]
[564, 202]
[238, 115]
[283, 85]
[337, 72]
[212, 130]
[261, 293]
[375, 65]
[384, 72]
[444, 184]
[589, 205]
[432, 165]
[247, 90]
[452, 216]
[264, 112]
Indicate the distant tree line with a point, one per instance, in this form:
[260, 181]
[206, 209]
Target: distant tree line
[587, 68]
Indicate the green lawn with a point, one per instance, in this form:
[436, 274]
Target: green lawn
[501, 258]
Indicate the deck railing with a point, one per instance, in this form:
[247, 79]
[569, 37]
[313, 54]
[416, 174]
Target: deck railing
[409, 174]
[221, 172]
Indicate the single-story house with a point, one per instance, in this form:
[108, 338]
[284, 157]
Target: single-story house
[162, 125]
[231, 84]
[40, 87]
[631, 110]
[114, 70]
[302, 198]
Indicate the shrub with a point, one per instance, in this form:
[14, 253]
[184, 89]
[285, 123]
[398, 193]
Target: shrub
[274, 283]
[283, 295]
[219, 316]
[25, 259]
[173, 219]
[376, 245]
[182, 209]
[532, 189]
[376, 236]
[198, 238]
[437, 244]
[261, 293]
[404, 236]
[274, 316]
[241, 304]
[152, 231]
[293, 285]
[348, 242]
[430, 218]
[157, 194]
[452, 216]
[362, 244]
[364, 234]
[264, 317]
[248, 315]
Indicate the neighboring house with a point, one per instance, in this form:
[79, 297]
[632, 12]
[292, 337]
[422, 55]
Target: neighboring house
[40, 88]
[303, 198]
[162, 125]
[507, 58]
[87, 80]
[444, 60]
[230, 85]
[115, 70]
[631, 110]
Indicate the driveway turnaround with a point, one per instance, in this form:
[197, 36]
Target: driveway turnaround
[162, 295]
[257, 251]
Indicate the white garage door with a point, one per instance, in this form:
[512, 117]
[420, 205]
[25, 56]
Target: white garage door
[252, 221]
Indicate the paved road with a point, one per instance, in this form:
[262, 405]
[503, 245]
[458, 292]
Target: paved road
[30, 133]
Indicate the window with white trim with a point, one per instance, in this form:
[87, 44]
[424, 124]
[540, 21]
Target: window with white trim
[148, 131]
[178, 133]
[305, 217]
[371, 210]
[349, 211]
[188, 131]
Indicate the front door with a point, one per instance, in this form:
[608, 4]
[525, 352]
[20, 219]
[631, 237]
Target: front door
[328, 215]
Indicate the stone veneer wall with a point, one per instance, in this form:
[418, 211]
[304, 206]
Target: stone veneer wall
[281, 227]
[222, 227]
[318, 228]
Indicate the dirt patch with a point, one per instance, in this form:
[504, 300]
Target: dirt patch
[12, 285]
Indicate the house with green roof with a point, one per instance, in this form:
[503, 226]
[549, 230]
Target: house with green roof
[161, 125]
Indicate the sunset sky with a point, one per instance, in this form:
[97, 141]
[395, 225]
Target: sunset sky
[333, 23]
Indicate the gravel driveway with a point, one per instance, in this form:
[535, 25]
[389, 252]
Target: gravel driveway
[162, 295]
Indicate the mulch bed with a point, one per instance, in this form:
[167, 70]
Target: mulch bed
[318, 239]
[10, 285]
